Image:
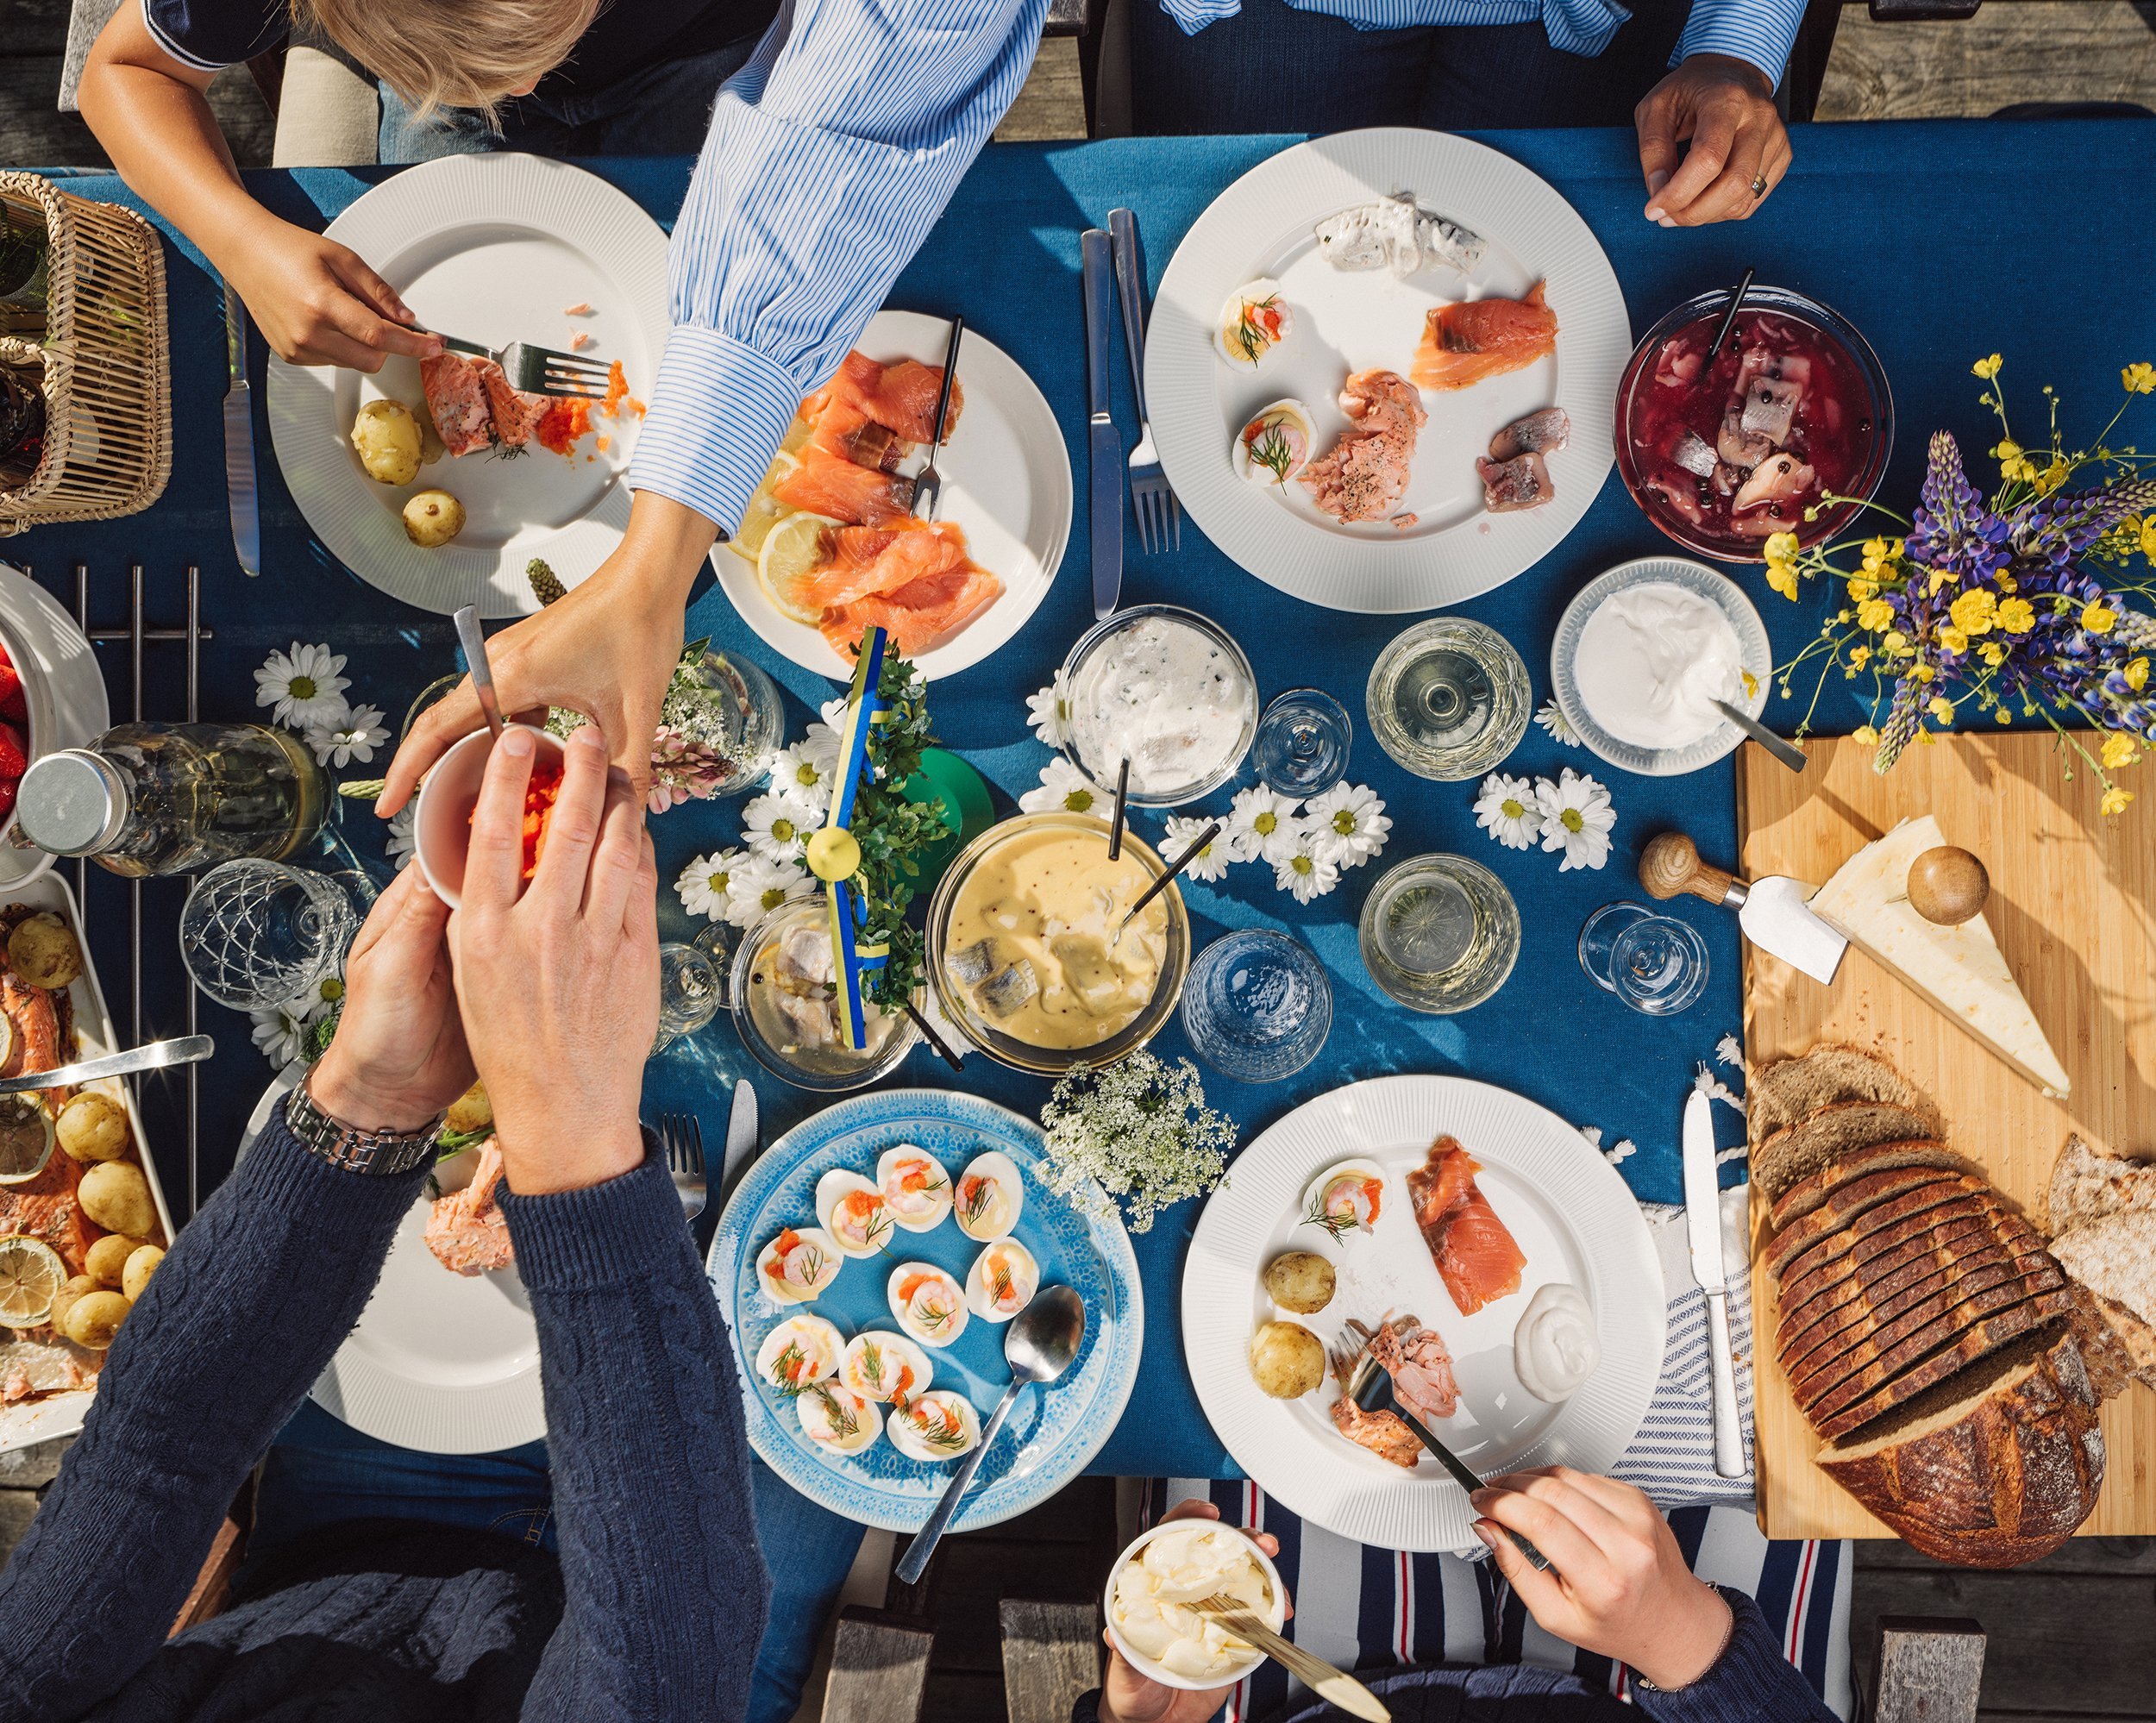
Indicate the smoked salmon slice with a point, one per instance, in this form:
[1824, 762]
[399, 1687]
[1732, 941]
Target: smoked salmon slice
[827, 483]
[1463, 344]
[916, 616]
[863, 561]
[901, 398]
[1475, 1256]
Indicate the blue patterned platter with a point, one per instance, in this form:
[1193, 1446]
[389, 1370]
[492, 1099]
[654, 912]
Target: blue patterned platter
[1051, 1432]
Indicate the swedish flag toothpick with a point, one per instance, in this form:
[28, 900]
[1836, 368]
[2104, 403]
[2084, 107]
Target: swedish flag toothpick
[834, 856]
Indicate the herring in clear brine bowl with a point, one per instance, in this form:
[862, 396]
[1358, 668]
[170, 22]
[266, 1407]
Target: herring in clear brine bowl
[1795, 408]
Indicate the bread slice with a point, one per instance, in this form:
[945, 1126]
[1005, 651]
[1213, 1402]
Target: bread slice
[2115, 1255]
[1879, 1388]
[1901, 1190]
[1815, 1187]
[1781, 1163]
[1884, 1250]
[1782, 1093]
[2118, 1346]
[2086, 1185]
[1993, 1467]
[1958, 1302]
[1915, 1280]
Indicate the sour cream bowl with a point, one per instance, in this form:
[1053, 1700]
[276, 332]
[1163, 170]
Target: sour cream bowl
[1187, 1652]
[1166, 688]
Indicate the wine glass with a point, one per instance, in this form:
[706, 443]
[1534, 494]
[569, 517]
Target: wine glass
[255, 934]
[691, 990]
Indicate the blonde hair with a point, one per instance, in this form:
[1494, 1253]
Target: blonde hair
[453, 54]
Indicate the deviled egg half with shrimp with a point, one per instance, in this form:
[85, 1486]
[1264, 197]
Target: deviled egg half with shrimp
[853, 1211]
[990, 1195]
[1346, 1199]
[1254, 320]
[836, 1419]
[798, 1352]
[882, 1366]
[935, 1426]
[916, 1188]
[1274, 444]
[797, 1265]
[1002, 1280]
[930, 1305]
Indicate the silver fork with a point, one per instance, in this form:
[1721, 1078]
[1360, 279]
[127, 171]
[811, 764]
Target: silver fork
[928, 488]
[1160, 519]
[681, 1135]
[538, 370]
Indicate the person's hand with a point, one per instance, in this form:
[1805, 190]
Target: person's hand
[317, 302]
[1126, 1696]
[606, 648]
[559, 986]
[399, 1057]
[1617, 1583]
[1726, 107]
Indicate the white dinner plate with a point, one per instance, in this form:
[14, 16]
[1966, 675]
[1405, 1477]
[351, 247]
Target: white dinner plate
[1007, 481]
[445, 1362]
[63, 690]
[1565, 1206]
[1349, 320]
[489, 248]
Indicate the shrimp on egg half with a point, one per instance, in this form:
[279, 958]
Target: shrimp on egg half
[938, 1425]
[990, 1195]
[836, 1419]
[1255, 320]
[1346, 1199]
[883, 1366]
[853, 1211]
[800, 1351]
[916, 1188]
[799, 1264]
[929, 1304]
[1275, 443]
[1002, 1280]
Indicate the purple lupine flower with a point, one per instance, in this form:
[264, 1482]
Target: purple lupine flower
[1951, 528]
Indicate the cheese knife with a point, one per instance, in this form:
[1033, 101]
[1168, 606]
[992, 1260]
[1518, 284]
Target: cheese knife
[1704, 1225]
[1773, 911]
[242, 501]
[1103, 443]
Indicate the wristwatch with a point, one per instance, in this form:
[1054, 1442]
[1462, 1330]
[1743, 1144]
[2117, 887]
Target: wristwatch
[355, 1149]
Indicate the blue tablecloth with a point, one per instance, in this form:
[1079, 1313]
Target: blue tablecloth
[1940, 239]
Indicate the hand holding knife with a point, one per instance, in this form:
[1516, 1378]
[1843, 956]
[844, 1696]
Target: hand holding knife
[1703, 1226]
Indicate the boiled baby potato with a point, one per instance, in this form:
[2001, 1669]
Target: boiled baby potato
[44, 952]
[141, 1266]
[431, 447]
[115, 1195]
[1302, 1281]
[94, 1319]
[94, 1127]
[469, 1111]
[1287, 1361]
[432, 519]
[106, 1261]
[386, 438]
[65, 1300]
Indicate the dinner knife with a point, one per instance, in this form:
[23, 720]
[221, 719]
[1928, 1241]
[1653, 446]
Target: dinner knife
[242, 501]
[1772, 910]
[1703, 1224]
[152, 1055]
[1104, 444]
[741, 1136]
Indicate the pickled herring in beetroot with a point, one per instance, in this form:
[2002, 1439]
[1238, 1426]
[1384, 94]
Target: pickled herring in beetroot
[1737, 450]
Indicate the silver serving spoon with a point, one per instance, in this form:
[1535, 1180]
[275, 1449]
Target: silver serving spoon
[1039, 1346]
[151, 1056]
[1782, 749]
[475, 645]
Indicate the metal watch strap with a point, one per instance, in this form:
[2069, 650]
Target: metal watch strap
[350, 1148]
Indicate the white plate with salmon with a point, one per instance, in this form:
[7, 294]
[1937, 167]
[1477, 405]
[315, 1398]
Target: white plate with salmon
[1381, 370]
[1495, 1269]
[491, 249]
[829, 544]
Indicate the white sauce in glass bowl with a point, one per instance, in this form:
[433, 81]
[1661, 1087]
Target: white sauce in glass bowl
[1555, 1348]
[1652, 658]
[1164, 695]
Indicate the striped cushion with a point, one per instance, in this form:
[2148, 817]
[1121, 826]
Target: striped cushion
[1366, 1608]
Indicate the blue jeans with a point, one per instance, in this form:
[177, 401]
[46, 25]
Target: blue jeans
[321, 1472]
[1272, 68]
[664, 109]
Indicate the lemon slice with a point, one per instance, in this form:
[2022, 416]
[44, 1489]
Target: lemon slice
[791, 549]
[764, 510]
[31, 1273]
[797, 434]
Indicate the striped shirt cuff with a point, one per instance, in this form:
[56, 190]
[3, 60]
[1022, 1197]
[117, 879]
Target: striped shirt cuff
[1761, 32]
[717, 415]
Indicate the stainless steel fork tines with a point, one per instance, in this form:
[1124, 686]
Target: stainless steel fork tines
[681, 1137]
[1160, 520]
[539, 370]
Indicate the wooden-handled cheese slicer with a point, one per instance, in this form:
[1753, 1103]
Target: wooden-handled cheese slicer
[1773, 911]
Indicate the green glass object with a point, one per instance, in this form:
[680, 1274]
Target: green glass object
[967, 809]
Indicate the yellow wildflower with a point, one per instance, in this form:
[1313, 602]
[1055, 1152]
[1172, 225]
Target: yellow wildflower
[1923, 673]
[2005, 581]
[1781, 577]
[1781, 547]
[1896, 643]
[2139, 380]
[1927, 738]
[2097, 618]
[1874, 550]
[1942, 709]
[2114, 801]
[2148, 538]
[2017, 616]
[2118, 750]
[2003, 714]
[1752, 683]
[1953, 640]
[1860, 589]
[1974, 611]
[2052, 477]
[1941, 577]
[2137, 675]
[1860, 657]
[1874, 614]
[1987, 368]
[1865, 736]
[1994, 654]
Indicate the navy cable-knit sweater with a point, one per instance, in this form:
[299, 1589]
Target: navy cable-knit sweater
[655, 1607]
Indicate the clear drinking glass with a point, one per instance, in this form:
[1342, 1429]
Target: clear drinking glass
[1257, 1005]
[752, 717]
[1598, 936]
[691, 990]
[1302, 742]
[1439, 933]
[257, 934]
[1448, 699]
[1658, 965]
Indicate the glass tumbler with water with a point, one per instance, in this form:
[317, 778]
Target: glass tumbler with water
[1448, 699]
[1439, 933]
[1257, 1005]
[257, 934]
[1301, 748]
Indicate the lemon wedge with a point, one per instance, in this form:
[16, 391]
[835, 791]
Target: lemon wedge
[764, 510]
[791, 549]
[31, 1273]
[798, 434]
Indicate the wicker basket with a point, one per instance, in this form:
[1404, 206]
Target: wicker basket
[106, 358]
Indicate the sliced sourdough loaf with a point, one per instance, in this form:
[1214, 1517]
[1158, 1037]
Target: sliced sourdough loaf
[2086, 1185]
[2118, 1346]
[1877, 1389]
[1793, 1154]
[1782, 1093]
[1859, 1210]
[1958, 1303]
[1815, 1187]
[2115, 1255]
[1869, 1285]
[1892, 1246]
[1909, 1286]
[1991, 1468]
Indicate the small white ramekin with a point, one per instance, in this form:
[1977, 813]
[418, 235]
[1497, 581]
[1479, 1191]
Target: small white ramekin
[1276, 1614]
[441, 829]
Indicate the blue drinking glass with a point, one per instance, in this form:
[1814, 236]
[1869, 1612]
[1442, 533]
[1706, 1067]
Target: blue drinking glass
[1257, 1005]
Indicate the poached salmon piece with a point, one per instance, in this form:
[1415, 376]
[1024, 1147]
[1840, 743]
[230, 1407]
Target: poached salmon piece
[1477, 1258]
[1363, 476]
[1463, 344]
[456, 397]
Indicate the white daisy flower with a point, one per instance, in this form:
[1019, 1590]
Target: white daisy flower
[317, 1002]
[302, 686]
[1552, 718]
[1048, 712]
[777, 827]
[1065, 789]
[1348, 823]
[760, 884]
[1506, 808]
[399, 842]
[282, 1037]
[703, 886]
[1211, 863]
[353, 736]
[1576, 817]
[1305, 873]
[804, 773]
[1262, 826]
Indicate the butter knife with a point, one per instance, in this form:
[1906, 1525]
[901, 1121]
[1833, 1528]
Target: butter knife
[1704, 1225]
[1104, 444]
[242, 501]
[152, 1056]
[741, 1137]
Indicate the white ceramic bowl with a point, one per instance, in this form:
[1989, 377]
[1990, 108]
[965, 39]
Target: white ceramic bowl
[1276, 1614]
[441, 829]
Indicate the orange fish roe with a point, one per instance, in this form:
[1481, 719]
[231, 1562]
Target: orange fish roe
[564, 421]
[619, 399]
[540, 796]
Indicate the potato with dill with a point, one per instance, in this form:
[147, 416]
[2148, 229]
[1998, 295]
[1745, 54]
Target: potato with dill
[43, 951]
[1287, 1359]
[1301, 1280]
[117, 1195]
[95, 1317]
[386, 436]
[94, 1127]
[106, 1261]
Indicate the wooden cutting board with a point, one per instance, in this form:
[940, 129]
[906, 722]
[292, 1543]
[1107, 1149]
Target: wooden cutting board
[2073, 905]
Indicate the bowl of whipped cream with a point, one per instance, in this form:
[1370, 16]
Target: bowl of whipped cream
[1642, 653]
[1154, 1590]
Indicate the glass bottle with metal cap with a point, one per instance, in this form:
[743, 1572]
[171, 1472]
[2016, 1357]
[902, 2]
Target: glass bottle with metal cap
[156, 799]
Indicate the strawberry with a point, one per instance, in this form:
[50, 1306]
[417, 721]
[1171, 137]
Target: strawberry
[15, 755]
[12, 702]
[8, 787]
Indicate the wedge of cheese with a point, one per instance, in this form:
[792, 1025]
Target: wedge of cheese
[1960, 970]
